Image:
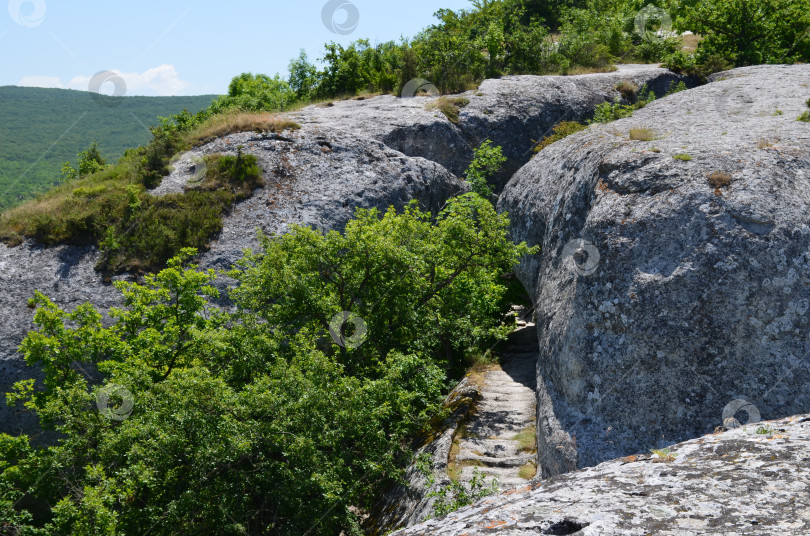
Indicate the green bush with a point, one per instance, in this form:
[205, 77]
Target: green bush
[487, 161]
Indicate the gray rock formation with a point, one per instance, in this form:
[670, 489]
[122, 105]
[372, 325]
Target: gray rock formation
[734, 483]
[674, 276]
[357, 153]
[512, 111]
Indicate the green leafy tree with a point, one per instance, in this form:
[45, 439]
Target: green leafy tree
[303, 77]
[487, 161]
[256, 93]
[750, 32]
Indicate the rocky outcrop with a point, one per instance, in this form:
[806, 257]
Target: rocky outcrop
[356, 153]
[674, 276]
[512, 111]
[751, 480]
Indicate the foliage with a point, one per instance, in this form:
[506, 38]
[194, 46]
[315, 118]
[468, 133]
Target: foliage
[487, 161]
[750, 32]
[419, 286]
[458, 494]
[560, 131]
[611, 111]
[179, 414]
[90, 161]
[682, 156]
[255, 93]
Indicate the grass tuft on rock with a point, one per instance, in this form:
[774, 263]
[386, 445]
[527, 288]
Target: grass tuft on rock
[560, 131]
[450, 107]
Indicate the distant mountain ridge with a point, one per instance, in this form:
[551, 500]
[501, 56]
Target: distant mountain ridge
[42, 128]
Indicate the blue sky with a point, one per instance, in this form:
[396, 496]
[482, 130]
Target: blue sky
[186, 47]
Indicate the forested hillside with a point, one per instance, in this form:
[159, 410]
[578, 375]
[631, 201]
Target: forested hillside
[42, 128]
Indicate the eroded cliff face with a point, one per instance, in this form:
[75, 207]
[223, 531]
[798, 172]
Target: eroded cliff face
[674, 276]
[355, 154]
[733, 483]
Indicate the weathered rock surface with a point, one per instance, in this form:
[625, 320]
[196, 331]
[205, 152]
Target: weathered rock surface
[512, 111]
[734, 483]
[688, 293]
[357, 153]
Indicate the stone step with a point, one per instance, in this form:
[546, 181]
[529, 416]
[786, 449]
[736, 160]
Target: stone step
[492, 461]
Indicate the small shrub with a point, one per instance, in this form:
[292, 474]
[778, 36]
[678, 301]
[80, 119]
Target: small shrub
[642, 134]
[808, 103]
[682, 156]
[560, 131]
[765, 430]
[608, 112]
[676, 87]
[664, 455]
[719, 179]
[485, 164]
[778, 113]
[805, 117]
[627, 89]
[456, 495]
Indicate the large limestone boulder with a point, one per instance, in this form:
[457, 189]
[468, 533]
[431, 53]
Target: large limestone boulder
[674, 277]
[734, 483]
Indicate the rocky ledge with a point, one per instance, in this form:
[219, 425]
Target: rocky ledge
[750, 480]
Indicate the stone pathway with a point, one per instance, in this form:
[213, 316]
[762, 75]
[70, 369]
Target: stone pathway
[499, 439]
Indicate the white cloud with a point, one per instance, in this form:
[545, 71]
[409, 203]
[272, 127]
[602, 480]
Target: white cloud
[162, 81]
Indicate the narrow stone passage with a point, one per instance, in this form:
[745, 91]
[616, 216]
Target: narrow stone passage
[499, 440]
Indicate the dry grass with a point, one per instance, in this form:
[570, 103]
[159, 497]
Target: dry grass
[766, 143]
[453, 467]
[591, 70]
[642, 134]
[527, 439]
[689, 43]
[627, 89]
[224, 124]
[528, 471]
[449, 106]
[719, 179]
